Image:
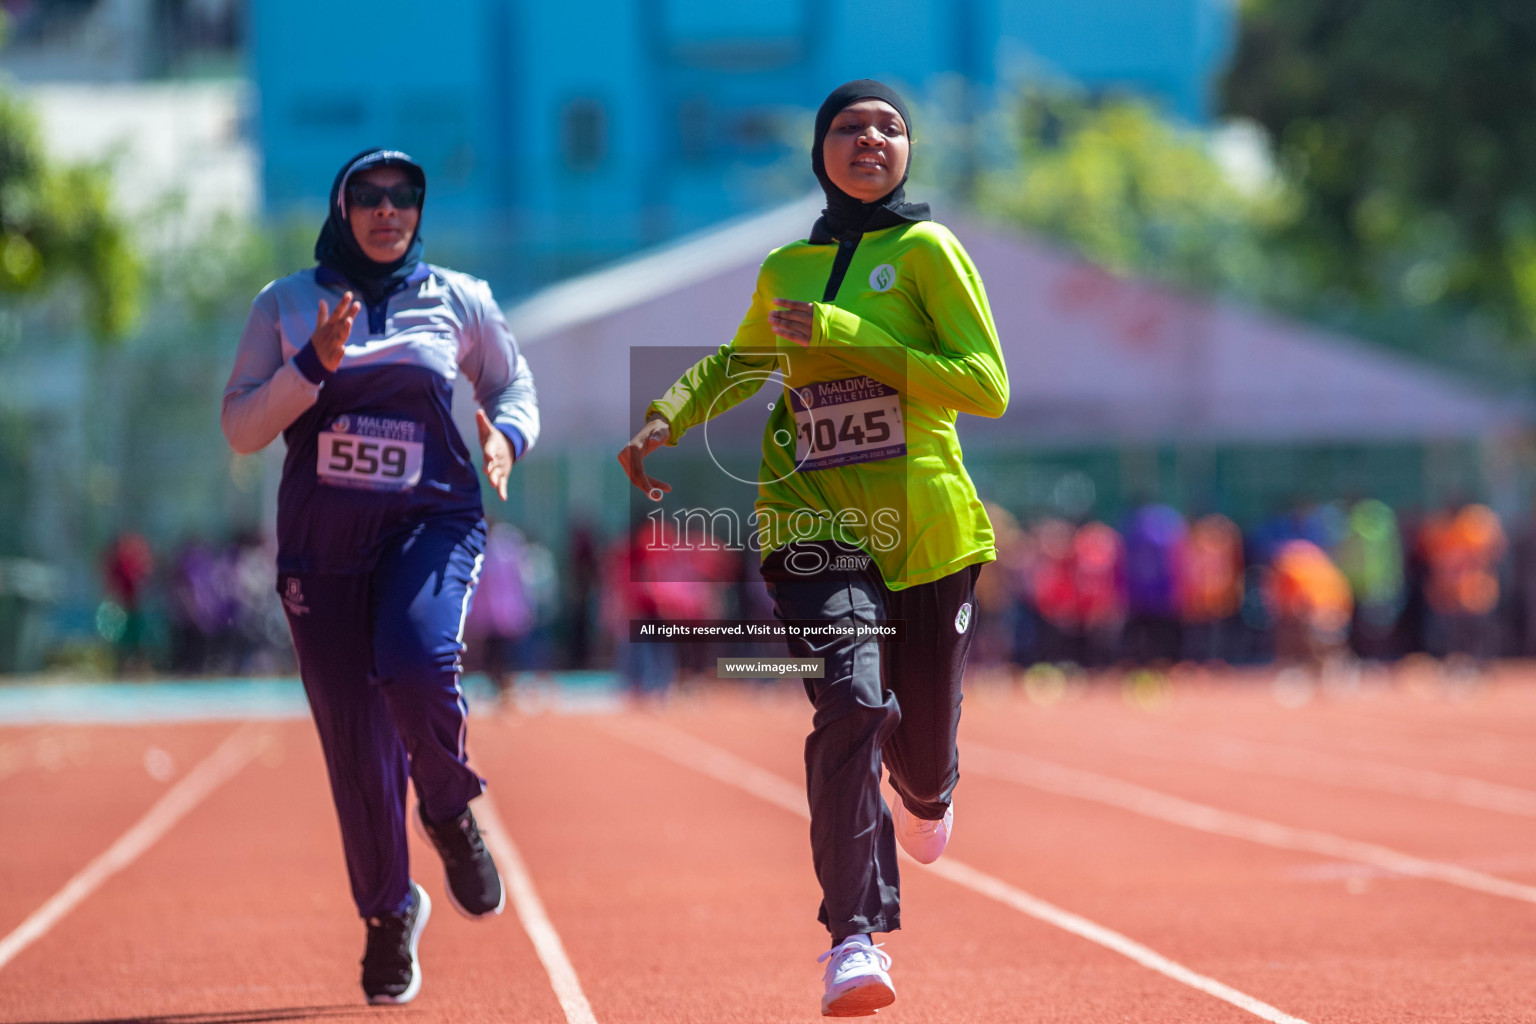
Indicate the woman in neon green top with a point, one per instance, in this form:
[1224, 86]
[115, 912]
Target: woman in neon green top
[880, 327]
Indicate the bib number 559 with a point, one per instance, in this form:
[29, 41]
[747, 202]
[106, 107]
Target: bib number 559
[368, 458]
[370, 462]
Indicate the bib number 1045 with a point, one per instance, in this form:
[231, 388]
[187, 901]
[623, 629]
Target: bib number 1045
[387, 459]
[823, 435]
[844, 422]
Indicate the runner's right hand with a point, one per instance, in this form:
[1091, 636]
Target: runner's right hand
[333, 329]
[632, 456]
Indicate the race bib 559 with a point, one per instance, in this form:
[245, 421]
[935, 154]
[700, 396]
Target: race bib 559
[371, 452]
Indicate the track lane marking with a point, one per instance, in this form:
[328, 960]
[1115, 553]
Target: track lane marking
[1290, 762]
[1383, 738]
[207, 775]
[706, 758]
[530, 911]
[1077, 783]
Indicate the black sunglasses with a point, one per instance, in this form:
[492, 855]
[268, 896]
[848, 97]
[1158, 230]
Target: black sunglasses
[368, 195]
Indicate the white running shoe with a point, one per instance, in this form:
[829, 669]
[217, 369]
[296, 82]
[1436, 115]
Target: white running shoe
[923, 840]
[857, 981]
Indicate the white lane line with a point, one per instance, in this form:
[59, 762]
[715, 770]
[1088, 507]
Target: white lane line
[1150, 803]
[1333, 769]
[962, 874]
[530, 910]
[708, 759]
[210, 773]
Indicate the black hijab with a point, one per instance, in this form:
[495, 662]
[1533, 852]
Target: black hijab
[337, 247]
[846, 215]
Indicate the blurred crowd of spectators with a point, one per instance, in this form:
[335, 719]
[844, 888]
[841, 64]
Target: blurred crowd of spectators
[1301, 587]
[205, 609]
[1314, 583]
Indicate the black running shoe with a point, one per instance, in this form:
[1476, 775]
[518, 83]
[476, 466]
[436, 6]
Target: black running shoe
[474, 886]
[391, 974]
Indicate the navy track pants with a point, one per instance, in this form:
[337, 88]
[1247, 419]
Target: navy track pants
[379, 656]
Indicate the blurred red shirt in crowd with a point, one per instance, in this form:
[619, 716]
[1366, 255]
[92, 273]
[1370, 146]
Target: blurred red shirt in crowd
[1461, 551]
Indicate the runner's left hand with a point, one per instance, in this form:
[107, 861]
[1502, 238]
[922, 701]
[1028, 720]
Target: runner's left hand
[792, 320]
[498, 453]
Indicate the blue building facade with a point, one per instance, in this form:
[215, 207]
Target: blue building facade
[557, 135]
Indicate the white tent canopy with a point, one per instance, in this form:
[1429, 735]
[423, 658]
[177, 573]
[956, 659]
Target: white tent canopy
[1092, 358]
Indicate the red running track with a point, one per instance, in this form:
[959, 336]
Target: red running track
[667, 850]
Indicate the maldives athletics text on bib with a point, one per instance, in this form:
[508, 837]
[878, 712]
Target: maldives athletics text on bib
[842, 422]
[371, 452]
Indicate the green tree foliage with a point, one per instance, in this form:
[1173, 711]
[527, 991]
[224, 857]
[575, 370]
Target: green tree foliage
[210, 280]
[57, 225]
[1406, 129]
[1133, 192]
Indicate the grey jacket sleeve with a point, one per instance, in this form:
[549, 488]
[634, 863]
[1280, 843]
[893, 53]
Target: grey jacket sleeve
[490, 359]
[265, 393]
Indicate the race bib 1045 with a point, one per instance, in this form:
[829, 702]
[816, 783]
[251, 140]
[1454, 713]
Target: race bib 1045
[841, 422]
[371, 452]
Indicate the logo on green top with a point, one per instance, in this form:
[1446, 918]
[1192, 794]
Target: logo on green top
[882, 277]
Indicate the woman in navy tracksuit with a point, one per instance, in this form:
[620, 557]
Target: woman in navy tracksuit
[380, 530]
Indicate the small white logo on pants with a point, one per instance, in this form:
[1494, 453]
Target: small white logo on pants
[882, 277]
[963, 617]
[293, 597]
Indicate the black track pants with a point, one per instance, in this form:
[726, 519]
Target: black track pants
[896, 702]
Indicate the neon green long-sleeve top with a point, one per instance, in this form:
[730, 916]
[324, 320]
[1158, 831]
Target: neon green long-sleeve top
[862, 447]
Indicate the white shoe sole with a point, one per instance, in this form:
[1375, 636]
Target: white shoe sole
[415, 985]
[930, 851]
[860, 999]
[421, 830]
